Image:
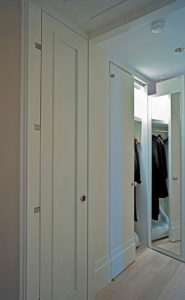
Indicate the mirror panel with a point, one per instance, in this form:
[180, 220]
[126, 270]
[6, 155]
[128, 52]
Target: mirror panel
[166, 173]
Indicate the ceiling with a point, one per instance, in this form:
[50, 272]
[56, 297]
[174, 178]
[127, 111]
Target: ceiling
[147, 55]
[98, 16]
[151, 55]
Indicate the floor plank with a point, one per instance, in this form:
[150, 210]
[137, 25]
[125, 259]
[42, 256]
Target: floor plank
[153, 276]
[174, 247]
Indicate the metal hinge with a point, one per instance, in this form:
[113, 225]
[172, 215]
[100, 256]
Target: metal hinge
[38, 46]
[36, 126]
[37, 209]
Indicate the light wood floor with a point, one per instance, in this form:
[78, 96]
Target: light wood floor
[152, 276]
[167, 245]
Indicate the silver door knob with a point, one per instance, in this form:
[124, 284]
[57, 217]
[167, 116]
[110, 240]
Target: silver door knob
[134, 183]
[175, 178]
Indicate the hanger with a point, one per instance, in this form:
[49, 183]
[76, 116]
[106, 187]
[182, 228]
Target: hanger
[164, 140]
[137, 140]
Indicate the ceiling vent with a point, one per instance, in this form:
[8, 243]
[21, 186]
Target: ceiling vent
[93, 9]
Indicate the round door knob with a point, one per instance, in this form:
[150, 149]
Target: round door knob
[175, 178]
[83, 198]
[134, 183]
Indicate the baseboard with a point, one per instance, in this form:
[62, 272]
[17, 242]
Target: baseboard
[175, 231]
[122, 257]
[102, 273]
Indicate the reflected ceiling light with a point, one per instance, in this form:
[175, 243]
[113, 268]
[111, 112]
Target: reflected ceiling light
[157, 26]
[179, 50]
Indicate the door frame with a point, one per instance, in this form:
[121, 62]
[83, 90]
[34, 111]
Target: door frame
[23, 147]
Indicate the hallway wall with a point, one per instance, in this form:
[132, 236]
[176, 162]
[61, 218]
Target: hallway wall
[9, 148]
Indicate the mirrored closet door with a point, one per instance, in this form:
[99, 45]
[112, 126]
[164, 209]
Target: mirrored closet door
[166, 200]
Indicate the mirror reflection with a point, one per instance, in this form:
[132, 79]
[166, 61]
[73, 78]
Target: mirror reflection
[166, 172]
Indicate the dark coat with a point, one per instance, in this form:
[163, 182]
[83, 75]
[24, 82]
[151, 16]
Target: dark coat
[136, 176]
[159, 174]
[136, 164]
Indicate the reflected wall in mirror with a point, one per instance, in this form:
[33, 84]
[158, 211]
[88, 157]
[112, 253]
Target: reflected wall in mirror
[166, 173]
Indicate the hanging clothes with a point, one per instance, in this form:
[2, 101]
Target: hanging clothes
[159, 174]
[136, 175]
[136, 164]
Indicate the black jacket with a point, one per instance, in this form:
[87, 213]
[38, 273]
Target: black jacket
[136, 164]
[136, 176]
[159, 174]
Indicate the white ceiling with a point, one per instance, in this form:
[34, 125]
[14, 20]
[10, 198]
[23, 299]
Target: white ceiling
[98, 16]
[148, 54]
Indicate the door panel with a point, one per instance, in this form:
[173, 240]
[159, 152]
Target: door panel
[63, 163]
[122, 245]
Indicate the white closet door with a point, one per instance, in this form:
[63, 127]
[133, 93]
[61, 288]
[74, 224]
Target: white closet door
[63, 163]
[122, 245]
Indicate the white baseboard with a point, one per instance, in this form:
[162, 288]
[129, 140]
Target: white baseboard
[122, 257]
[175, 231]
[102, 273]
[108, 267]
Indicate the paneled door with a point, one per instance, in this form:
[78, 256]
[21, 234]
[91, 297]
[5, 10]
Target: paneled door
[122, 244]
[63, 254]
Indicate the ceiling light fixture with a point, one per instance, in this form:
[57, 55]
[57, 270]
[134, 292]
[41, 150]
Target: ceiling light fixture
[157, 26]
[179, 50]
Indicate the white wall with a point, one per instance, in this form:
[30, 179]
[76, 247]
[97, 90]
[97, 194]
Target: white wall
[9, 148]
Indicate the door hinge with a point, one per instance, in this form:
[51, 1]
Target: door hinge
[36, 126]
[38, 46]
[37, 209]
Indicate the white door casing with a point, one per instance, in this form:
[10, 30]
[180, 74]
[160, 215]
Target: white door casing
[122, 244]
[175, 168]
[63, 256]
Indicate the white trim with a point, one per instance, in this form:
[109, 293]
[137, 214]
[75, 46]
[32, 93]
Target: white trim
[175, 231]
[33, 152]
[23, 146]
[122, 257]
[149, 202]
[183, 169]
[90, 153]
[102, 273]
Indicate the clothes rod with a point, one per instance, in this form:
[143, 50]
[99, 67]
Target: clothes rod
[160, 131]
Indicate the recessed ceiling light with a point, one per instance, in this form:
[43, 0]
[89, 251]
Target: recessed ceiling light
[179, 50]
[157, 26]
